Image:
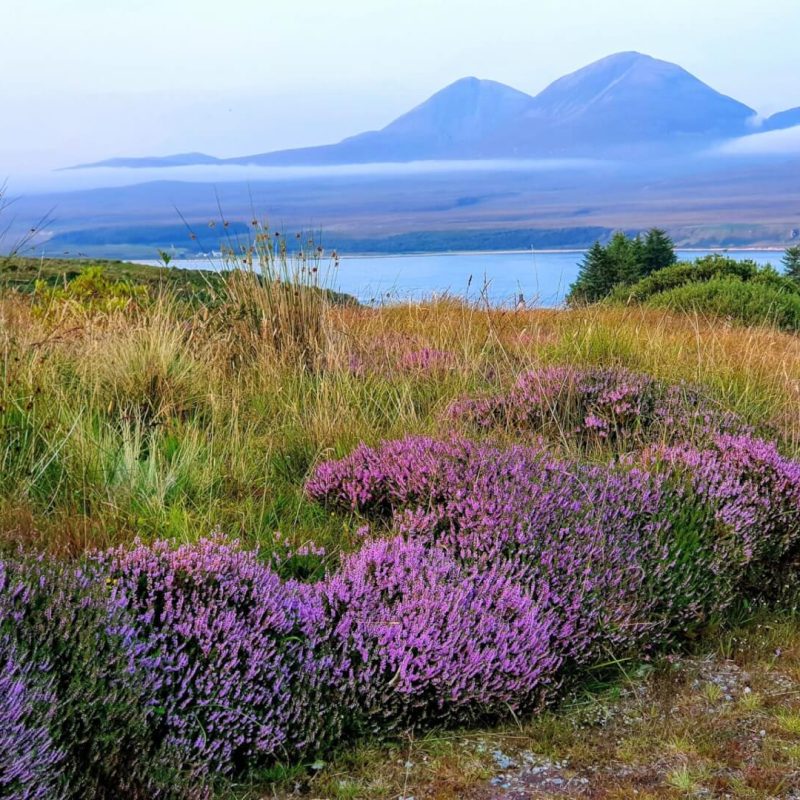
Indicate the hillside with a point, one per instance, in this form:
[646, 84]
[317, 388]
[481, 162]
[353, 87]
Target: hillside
[783, 120]
[236, 560]
[625, 100]
[623, 104]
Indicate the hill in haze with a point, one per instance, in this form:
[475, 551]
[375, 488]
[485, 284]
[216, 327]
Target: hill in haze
[453, 123]
[627, 104]
[623, 101]
[783, 120]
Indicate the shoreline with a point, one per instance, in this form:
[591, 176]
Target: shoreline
[433, 253]
[553, 251]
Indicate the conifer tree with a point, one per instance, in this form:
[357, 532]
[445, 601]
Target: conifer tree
[623, 261]
[624, 256]
[595, 278]
[791, 262]
[658, 252]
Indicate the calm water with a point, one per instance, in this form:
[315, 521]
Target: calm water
[542, 278]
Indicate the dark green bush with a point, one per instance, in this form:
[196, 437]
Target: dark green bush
[755, 302]
[702, 270]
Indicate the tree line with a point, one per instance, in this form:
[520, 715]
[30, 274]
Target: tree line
[624, 260]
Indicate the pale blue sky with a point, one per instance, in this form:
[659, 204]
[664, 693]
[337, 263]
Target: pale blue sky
[88, 79]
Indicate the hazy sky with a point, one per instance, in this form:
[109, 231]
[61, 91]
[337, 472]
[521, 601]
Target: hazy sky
[89, 79]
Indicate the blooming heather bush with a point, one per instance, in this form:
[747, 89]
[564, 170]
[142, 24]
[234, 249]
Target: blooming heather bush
[754, 495]
[623, 554]
[236, 654]
[148, 672]
[589, 543]
[60, 623]
[427, 360]
[427, 641]
[29, 760]
[401, 472]
[593, 407]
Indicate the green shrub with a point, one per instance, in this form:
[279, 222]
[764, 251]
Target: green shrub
[750, 303]
[90, 291]
[704, 269]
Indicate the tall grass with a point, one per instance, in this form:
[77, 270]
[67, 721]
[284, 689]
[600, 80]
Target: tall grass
[278, 296]
[156, 419]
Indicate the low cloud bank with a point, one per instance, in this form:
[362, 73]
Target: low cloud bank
[782, 142]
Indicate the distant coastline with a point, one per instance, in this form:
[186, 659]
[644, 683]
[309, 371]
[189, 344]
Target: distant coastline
[553, 251]
[441, 253]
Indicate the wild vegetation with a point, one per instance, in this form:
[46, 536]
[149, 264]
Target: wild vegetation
[621, 262]
[716, 285]
[244, 522]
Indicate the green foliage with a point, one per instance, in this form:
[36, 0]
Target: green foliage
[720, 286]
[703, 269]
[92, 291]
[596, 277]
[195, 287]
[657, 251]
[791, 263]
[756, 302]
[622, 262]
[624, 257]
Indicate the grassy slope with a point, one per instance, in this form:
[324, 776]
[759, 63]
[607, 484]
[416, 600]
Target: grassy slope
[165, 420]
[22, 272]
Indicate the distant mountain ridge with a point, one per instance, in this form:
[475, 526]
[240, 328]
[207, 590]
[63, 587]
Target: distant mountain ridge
[627, 104]
[622, 101]
[783, 119]
[176, 160]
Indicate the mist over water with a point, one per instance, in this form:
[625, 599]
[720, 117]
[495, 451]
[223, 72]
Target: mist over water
[70, 180]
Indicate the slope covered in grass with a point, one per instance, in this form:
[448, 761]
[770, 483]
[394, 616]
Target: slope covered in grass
[445, 515]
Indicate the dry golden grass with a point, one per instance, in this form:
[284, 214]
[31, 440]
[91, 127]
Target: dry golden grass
[165, 419]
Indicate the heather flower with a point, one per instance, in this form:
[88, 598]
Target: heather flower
[581, 540]
[427, 360]
[590, 407]
[236, 654]
[30, 762]
[753, 494]
[488, 577]
[77, 646]
[428, 641]
[624, 555]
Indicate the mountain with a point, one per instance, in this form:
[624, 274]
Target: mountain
[177, 160]
[625, 105]
[622, 101]
[784, 119]
[451, 124]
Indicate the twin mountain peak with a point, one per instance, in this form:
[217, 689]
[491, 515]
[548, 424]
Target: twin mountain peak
[625, 105]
